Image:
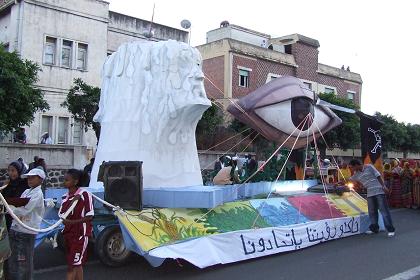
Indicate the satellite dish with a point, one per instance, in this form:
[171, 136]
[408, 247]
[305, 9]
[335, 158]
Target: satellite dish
[148, 33]
[186, 24]
[224, 23]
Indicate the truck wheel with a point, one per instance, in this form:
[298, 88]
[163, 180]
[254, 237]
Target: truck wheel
[60, 241]
[110, 247]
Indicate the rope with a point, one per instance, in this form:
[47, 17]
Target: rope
[259, 169]
[281, 171]
[16, 218]
[211, 163]
[237, 134]
[336, 164]
[322, 178]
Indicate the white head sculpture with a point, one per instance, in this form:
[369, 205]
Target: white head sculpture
[151, 101]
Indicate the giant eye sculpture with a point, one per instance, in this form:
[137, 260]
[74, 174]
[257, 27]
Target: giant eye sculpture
[279, 109]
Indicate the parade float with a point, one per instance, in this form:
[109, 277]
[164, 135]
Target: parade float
[151, 101]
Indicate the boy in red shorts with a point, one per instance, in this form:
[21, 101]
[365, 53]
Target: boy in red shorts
[77, 225]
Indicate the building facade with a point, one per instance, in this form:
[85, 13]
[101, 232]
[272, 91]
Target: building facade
[69, 41]
[237, 60]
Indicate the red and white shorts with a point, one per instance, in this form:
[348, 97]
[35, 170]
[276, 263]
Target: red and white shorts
[76, 249]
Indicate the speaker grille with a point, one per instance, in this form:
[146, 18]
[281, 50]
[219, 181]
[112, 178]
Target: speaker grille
[123, 184]
[115, 171]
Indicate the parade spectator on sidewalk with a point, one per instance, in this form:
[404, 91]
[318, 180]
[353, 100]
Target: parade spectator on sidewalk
[22, 240]
[406, 185]
[32, 165]
[15, 185]
[371, 179]
[46, 139]
[251, 165]
[78, 225]
[416, 187]
[20, 136]
[395, 192]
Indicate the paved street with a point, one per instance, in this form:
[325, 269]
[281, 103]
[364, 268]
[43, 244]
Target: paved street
[359, 257]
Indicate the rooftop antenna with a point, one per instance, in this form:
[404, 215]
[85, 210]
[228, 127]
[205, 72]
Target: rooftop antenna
[186, 24]
[149, 34]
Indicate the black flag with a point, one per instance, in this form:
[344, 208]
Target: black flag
[370, 132]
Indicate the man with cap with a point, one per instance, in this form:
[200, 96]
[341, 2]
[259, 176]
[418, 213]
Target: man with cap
[30, 211]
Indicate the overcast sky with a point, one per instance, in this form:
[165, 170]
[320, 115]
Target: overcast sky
[378, 39]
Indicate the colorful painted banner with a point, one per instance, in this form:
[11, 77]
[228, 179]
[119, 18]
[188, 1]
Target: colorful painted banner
[197, 234]
[248, 244]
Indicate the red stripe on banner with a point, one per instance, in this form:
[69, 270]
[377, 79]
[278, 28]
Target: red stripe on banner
[315, 207]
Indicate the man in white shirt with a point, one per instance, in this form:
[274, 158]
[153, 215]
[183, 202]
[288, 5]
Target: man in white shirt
[22, 240]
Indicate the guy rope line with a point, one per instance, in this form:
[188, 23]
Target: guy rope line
[234, 103]
[322, 178]
[56, 224]
[218, 144]
[339, 170]
[211, 163]
[62, 217]
[281, 171]
[273, 154]
[259, 169]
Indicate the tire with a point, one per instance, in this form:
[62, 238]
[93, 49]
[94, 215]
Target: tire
[60, 242]
[110, 247]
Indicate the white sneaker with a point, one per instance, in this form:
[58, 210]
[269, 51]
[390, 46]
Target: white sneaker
[368, 232]
[391, 234]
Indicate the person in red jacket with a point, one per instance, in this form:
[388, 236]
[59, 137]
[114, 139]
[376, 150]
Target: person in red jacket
[78, 225]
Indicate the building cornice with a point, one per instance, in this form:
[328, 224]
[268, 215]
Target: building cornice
[6, 4]
[111, 13]
[243, 48]
[339, 73]
[68, 11]
[132, 34]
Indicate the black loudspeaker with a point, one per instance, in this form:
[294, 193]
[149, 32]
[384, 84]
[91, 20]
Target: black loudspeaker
[123, 183]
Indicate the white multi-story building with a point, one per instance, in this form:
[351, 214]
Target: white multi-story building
[69, 39]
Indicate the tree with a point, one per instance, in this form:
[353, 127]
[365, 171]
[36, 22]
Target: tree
[211, 119]
[83, 102]
[20, 99]
[399, 137]
[346, 135]
[260, 145]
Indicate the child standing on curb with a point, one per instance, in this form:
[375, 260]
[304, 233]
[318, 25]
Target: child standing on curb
[22, 240]
[78, 225]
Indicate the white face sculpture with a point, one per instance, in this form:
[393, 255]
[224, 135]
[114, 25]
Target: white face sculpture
[151, 101]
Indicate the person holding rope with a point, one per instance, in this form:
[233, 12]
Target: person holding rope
[30, 210]
[78, 225]
[15, 186]
[371, 179]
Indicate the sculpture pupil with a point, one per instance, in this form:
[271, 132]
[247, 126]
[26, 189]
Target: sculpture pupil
[301, 107]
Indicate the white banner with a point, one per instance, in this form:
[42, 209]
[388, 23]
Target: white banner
[247, 244]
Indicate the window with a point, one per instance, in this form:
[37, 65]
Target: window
[243, 78]
[308, 85]
[50, 50]
[6, 46]
[329, 90]
[66, 51]
[350, 95]
[63, 124]
[288, 49]
[82, 56]
[77, 133]
[46, 125]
